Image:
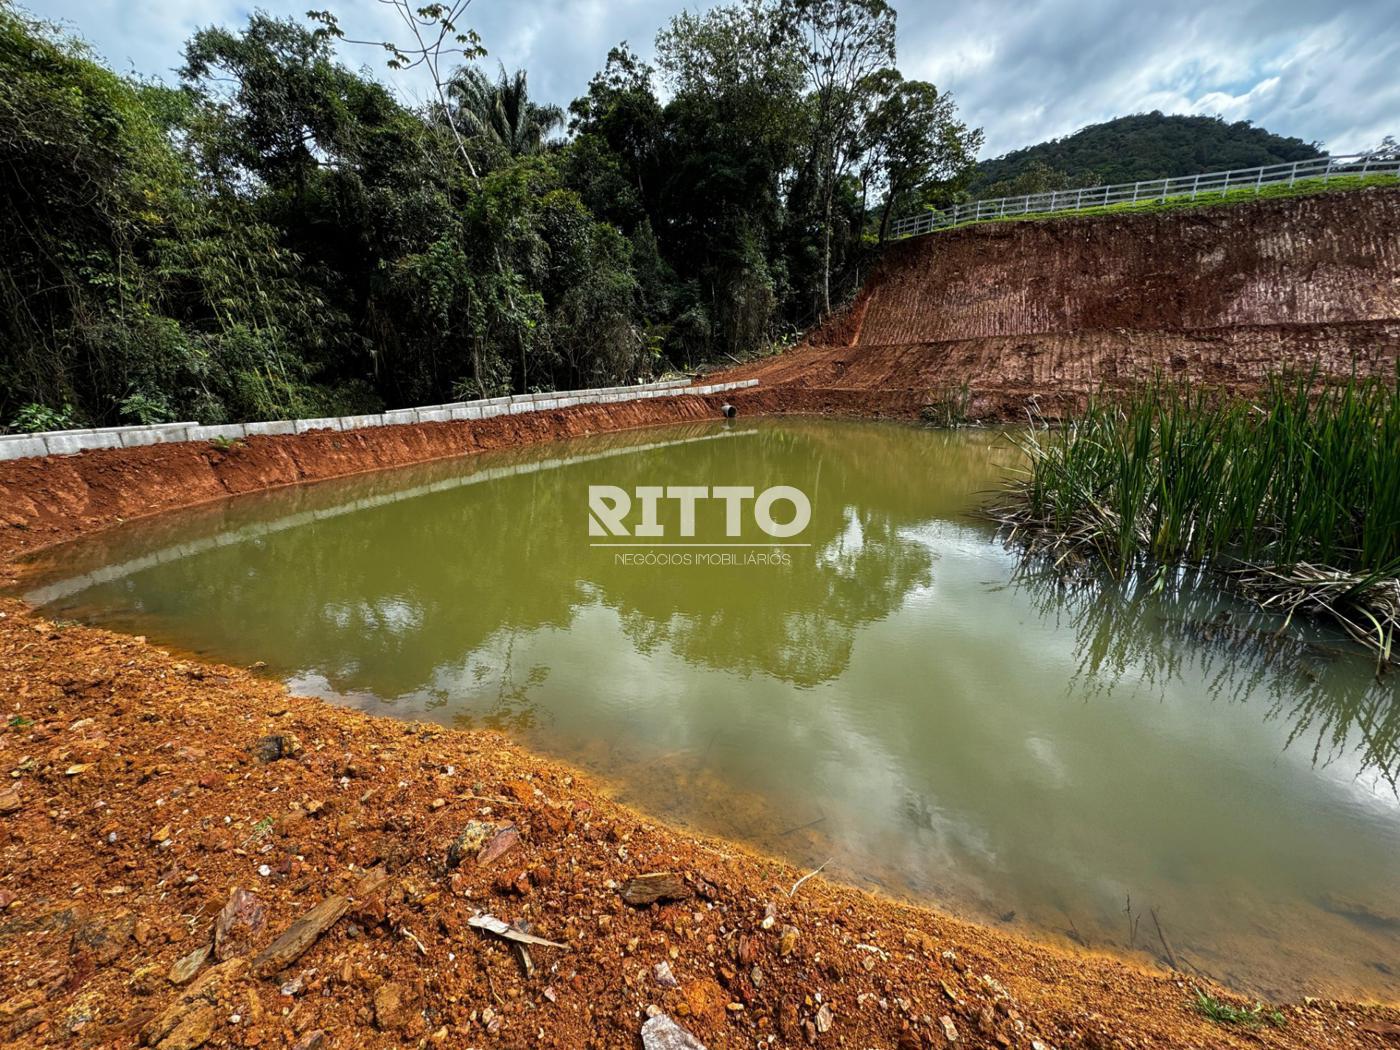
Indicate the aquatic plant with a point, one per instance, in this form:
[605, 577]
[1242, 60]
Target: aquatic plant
[947, 407]
[1294, 494]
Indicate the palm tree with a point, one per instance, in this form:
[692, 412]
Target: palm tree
[501, 111]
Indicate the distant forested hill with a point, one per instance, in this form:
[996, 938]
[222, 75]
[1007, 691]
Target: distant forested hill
[1142, 146]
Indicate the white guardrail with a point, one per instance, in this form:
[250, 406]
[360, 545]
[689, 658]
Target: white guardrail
[67, 442]
[1215, 183]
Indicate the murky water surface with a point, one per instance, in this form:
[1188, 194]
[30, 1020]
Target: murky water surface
[896, 697]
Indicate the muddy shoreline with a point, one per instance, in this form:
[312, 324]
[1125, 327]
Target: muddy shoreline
[141, 795]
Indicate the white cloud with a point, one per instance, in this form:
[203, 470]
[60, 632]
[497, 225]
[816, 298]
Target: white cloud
[1024, 72]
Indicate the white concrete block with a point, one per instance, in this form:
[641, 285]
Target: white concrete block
[361, 422]
[131, 437]
[325, 423]
[399, 416]
[271, 427]
[223, 432]
[21, 446]
[68, 443]
[434, 415]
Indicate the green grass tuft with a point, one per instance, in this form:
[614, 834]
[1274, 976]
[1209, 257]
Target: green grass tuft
[1222, 1012]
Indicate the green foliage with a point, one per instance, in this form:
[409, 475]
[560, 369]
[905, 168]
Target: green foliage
[1222, 1012]
[32, 418]
[500, 114]
[1142, 146]
[915, 144]
[146, 409]
[280, 236]
[1034, 176]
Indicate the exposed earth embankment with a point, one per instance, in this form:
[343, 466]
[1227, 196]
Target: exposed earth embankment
[1039, 314]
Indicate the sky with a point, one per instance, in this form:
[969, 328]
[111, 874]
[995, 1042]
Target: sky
[1023, 70]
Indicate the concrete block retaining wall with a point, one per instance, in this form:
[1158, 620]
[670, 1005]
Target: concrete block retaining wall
[67, 442]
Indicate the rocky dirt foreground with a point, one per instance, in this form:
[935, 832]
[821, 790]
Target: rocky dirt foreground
[193, 857]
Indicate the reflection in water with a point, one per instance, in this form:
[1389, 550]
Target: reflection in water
[902, 697]
[1158, 634]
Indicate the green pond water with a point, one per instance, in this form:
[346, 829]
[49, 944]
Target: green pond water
[898, 696]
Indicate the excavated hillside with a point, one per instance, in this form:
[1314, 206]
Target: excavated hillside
[1051, 310]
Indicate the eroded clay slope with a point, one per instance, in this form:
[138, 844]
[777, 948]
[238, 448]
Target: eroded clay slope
[1225, 295]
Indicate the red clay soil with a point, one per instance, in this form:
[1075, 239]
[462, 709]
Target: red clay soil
[1034, 316]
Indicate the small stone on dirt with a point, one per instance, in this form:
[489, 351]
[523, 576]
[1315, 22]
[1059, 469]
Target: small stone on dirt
[239, 924]
[391, 1011]
[103, 938]
[10, 800]
[276, 746]
[501, 843]
[664, 976]
[950, 1030]
[655, 887]
[787, 941]
[469, 841]
[662, 1033]
[185, 967]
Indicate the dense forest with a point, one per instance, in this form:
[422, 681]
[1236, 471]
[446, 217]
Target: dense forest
[277, 234]
[1143, 146]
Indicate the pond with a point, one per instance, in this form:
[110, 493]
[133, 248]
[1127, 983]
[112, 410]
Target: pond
[891, 692]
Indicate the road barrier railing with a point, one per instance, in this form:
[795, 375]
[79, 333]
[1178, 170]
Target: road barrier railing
[1193, 187]
[67, 442]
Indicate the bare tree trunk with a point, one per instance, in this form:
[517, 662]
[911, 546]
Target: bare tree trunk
[826, 256]
[885, 216]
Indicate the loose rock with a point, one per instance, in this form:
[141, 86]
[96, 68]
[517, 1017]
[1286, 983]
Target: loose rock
[276, 746]
[469, 841]
[300, 936]
[662, 1033]
[185, 967]
[239, 924]
[655, 887]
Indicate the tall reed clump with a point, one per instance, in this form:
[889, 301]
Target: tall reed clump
[1295, 494]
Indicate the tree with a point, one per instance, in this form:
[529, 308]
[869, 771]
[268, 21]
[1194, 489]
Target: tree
[435, 39]
[280, 235]
[842, 45]
[1036, 177]
[913, 142]
[279, 92]
[501, 112]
